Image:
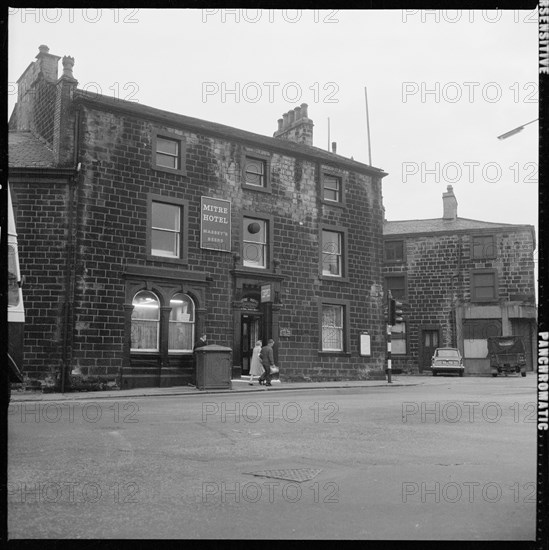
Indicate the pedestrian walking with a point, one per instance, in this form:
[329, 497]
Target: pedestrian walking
[267, 360]
[256, 368]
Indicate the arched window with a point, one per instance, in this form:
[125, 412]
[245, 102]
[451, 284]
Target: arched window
[145, 321]
[181, 335]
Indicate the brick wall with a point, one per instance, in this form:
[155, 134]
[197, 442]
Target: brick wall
[438, 270]
[116, 180]
[41, 218]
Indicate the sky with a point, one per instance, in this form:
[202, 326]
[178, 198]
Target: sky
[441, 86]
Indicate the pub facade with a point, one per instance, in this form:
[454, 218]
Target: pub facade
[152, 228]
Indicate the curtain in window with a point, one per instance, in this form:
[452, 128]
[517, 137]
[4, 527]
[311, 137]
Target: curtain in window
[181, 331]
[331, 253]
[145, 321]
[332, 328]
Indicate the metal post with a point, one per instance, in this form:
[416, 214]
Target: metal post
[389, 366]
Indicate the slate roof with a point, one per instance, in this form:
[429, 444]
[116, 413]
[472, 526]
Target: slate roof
[439, 225]
[213, 128]
[25, 150]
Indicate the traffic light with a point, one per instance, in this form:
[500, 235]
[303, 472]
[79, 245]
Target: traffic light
[399, 313]
[392, 311]
[396, 314]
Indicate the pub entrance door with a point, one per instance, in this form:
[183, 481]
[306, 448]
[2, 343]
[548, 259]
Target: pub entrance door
[250, 333]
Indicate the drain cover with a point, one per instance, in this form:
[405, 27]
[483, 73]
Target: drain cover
[294, 474]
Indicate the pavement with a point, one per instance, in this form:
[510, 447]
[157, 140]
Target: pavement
[238, 386]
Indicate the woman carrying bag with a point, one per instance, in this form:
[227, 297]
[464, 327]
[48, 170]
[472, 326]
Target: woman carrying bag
[256, 369]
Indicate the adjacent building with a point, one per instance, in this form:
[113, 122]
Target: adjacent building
[461, 281]
[140, 229]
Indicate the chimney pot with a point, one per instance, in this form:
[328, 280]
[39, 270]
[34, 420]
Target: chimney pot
[285, 120]
[43, 48]
[68, 64]
[291, 117]
[334, 147]
[280, 122]
[304, 108]
[297, 111]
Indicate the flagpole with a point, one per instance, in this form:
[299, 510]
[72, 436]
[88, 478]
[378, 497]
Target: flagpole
[368, 127]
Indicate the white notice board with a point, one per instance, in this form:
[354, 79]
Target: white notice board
[365, 344]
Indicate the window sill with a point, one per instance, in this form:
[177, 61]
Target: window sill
[266, 189]
[335, 278]
[175, 171]
[337, 204]
[254, 269]
[339, 353]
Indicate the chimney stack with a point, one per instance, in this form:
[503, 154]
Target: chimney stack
[47, 63]
[296, 126]
[449, 204]
[63, 137]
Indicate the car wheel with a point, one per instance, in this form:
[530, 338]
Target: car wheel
[435, 373]
[494, 374]
[460, 373]
[523, 374]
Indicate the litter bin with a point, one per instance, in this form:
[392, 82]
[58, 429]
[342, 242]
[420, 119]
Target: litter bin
[213, 367]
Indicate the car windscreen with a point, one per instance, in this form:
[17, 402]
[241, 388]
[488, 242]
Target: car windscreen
[447, 353]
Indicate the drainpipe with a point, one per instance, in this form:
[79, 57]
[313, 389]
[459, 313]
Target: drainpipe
[70, 265]
[456, 277]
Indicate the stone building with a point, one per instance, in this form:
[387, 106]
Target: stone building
[461, 281]
[140, 229]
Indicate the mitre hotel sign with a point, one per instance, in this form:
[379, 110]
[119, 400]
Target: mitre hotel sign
[215, 224]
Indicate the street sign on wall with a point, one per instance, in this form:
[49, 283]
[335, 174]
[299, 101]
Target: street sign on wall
[266, 293]
[215, 224]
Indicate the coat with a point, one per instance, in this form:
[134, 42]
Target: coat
[200, 344]
[256, 369]
[267, 356]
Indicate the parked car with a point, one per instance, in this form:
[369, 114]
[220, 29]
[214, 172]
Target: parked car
[507, 355]
[447, 360]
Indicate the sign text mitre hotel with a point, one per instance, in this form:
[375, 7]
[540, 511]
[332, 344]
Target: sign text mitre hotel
[215, 224]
